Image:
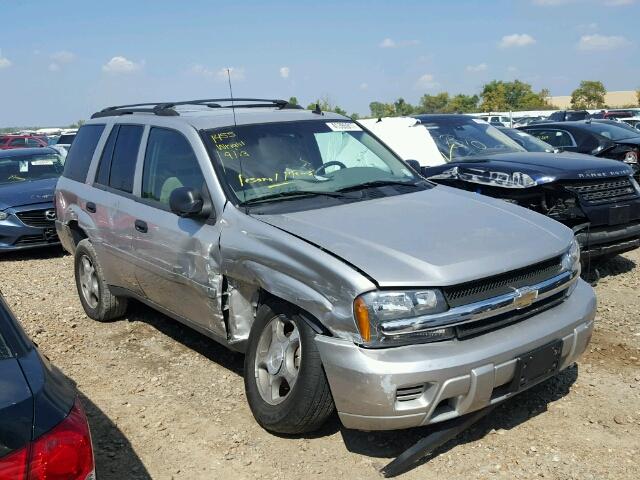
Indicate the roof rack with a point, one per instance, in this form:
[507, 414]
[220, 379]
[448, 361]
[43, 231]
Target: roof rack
[166, 109]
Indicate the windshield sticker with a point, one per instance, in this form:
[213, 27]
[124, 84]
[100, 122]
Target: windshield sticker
[42, 162]
[24, 166]
[343, 127]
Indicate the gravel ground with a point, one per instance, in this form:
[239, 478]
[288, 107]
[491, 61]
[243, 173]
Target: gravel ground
[166, 402]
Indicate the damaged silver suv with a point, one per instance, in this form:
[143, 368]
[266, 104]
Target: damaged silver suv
[297, 237]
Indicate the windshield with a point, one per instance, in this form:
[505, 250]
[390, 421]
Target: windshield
[459, 138]
[28, 168]
[529, 142]
[611, 131]
[276, 160]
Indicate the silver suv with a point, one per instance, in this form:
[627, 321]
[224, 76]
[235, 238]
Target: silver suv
[297, 237]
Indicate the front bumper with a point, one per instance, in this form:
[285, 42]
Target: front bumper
[609, 240]
[409, 386]
[16, 235]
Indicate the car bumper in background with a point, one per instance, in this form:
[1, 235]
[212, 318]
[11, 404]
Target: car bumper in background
[409, 386]
[15, 234]
[609, 240]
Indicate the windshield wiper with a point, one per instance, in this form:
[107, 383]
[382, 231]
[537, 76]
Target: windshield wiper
[380, 183]
[292, 194]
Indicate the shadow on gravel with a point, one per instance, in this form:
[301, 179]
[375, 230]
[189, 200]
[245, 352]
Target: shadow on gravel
[115, 457]
[617, 265]
[190, 338]
[43, 253]
[510, 414]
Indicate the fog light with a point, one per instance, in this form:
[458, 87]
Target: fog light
[3, 216]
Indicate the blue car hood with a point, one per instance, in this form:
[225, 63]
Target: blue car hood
[27, 193]
[545, 167]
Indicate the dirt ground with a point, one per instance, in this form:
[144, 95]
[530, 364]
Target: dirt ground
[165, 402]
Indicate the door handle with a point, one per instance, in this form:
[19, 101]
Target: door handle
[91, 207]
[141, 226]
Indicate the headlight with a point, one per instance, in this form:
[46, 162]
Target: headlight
[373, 309]
[631, 157]
[3, 216]
[571, 259]
[491, 177]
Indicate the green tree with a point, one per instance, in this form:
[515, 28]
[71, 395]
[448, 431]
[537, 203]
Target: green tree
[499, 95]
[326, 106]
[462, 103]
[403, 108]
[293, 100]
[433, 103]
[379, 109]
[590, 94]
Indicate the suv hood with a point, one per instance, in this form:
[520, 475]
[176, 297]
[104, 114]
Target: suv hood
[437, 237]
[27, 193]
[549, 167]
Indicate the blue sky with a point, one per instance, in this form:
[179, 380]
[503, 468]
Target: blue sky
[62, 60]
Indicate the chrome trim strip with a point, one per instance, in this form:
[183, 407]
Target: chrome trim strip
[478, 310]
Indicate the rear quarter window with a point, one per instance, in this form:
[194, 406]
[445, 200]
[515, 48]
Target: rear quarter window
[81, 152]
[4, 349]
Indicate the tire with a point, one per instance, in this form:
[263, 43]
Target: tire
[308, 404]
[98, 303]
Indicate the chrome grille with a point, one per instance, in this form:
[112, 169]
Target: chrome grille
[478, 290]
[37, 218]
[597, 192]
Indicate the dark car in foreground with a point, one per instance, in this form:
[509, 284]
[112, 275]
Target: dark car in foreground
[44, 433]
[28, 177]
[602, 138]
[598, 198]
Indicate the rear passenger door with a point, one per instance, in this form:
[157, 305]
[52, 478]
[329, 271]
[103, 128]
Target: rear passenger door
[177, 258]
[114, 205]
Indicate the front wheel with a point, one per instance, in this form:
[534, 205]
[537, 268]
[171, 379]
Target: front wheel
[285, 383]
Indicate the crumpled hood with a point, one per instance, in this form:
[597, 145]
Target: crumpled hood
[27, 193]
[437, 237]
[551, 166]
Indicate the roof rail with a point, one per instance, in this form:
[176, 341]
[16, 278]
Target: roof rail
[167, 108]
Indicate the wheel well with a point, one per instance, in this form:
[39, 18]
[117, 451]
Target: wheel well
[76, 232]
[265, 296]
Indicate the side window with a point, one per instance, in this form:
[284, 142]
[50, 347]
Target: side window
[104, 167]
[81, 151]
[31, 142]
[556, 138]
[18, 142]
[169, 163]
[123, 158]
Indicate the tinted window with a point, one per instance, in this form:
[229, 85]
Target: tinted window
[169, 163]
[4, 350]
[557, 138]
[66, 139]
[615, 132]
[18, 142]
[125, 152]
[31, 142]
[556, 116]
[572, 116]
[80, 153]
[104, 167]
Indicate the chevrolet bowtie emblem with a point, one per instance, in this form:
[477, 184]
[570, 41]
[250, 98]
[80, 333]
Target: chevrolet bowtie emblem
[524, 297]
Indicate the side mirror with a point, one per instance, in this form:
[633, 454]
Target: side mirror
[186, 202]
[414, 164]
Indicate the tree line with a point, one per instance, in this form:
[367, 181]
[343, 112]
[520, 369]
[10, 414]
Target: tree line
[495, 96]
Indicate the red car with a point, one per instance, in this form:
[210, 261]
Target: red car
[8, 142]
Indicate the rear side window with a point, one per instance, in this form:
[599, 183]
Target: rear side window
[81, 152]
[169, 163]
[18, 142]
[118, 162]
[4, 350]
[557, 138]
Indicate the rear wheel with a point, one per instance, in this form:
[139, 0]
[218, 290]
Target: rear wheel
[285, 383]
[96, 298]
